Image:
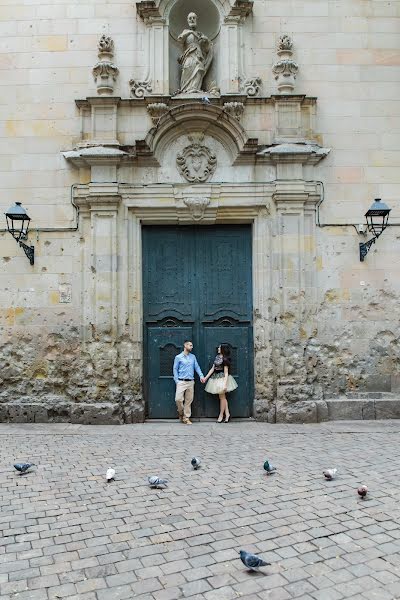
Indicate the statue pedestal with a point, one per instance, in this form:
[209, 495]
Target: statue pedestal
[196, 95]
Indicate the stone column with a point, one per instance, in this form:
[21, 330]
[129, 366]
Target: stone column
[232, 67]
[264, 408]
[156, 79]
[295, 277]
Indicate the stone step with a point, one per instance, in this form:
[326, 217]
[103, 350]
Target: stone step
[344, 409]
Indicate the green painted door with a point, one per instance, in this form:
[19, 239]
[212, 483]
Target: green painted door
[197, 285]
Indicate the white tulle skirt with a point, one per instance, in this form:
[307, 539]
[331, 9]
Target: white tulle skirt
[215, 385]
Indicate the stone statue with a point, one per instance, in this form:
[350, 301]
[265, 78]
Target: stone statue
[196, 57]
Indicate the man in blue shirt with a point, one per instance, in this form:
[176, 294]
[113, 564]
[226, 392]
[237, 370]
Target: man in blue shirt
[185, 364]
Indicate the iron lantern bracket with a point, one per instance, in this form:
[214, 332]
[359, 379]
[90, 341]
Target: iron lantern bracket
[29, 251]
[365, 248]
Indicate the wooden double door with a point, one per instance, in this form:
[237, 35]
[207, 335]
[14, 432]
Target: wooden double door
[197, 285]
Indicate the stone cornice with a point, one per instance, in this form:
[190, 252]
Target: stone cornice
[173, 101]
[148, 11]
[240, 10]
[293, 153]
[95, 155]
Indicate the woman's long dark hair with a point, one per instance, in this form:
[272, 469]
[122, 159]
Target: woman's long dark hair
[226, 353]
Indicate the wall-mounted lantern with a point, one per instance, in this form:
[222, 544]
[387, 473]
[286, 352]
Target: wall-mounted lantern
[18, 225]
[377, 219]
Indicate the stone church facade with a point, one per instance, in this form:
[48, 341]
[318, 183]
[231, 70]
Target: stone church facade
[200, 176]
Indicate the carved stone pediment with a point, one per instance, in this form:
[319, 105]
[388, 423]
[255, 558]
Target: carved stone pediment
[196, 163]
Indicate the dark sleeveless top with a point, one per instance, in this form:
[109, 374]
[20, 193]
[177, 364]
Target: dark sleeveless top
[219, 363]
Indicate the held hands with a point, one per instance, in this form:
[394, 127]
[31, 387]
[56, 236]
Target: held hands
[203, 379]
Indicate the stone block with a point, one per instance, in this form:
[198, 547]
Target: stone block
[322, 411]
[26, 413]
[96, 414]
[376, 382]
[296, 412]
[387, 409]
[347, 410]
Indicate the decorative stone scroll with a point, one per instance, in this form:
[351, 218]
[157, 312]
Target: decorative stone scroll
[140, 88]
[285, 70]
[196, 163]
[105, 72]
[251, 86]
[197, 207]
[235, 109]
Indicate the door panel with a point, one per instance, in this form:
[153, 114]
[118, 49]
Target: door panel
[163, 344]
[239, 339]
[197, 284]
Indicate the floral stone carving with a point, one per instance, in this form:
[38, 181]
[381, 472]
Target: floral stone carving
[105, 72]
[234, 109]
[196, 163]
[197, 207]
[156, 110]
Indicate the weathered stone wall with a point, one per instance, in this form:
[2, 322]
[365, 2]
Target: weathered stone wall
[330, 333]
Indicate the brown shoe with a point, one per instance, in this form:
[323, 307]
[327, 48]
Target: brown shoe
[187, 421]
[180, 417]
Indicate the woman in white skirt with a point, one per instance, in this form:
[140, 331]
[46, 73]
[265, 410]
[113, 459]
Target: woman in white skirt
[219, 381]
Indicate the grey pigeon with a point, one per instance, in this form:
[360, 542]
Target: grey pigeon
[269, 468]
[156, 482]
[362, 491]
[329, 474]
[252, 561]
[23, 467]
[195, 463]
[205, 100]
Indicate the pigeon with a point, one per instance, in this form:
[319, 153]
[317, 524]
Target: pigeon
[362, 491]
[23, 467]
[195, 463]
[252, 561]
[156, 482]
[269, 468]
[205, 100]
[110, 475]
[329, 474]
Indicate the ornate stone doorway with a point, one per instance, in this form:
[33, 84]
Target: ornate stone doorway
[197, 284]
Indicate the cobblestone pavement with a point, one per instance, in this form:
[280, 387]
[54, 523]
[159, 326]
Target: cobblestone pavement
[66, 533]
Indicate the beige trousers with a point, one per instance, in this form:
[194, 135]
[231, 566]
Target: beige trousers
[184, 398]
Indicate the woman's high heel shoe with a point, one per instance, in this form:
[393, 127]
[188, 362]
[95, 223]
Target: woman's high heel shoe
[227, 418]
[219, 420]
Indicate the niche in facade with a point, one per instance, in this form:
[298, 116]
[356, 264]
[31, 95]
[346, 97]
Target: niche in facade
[193, 58]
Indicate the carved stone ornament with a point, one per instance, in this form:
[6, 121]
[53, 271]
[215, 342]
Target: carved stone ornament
[105, 72]
[106, 45]
[156, 110]
[285, 69]
[140, 88]
[251, 86]
[196, 163]
[284, 43]
[197, 207]
[234, 109]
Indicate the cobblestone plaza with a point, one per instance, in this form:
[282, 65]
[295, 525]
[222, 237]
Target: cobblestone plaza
[66, 533]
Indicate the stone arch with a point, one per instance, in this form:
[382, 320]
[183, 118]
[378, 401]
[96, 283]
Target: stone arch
[193, 117]
[166, 6]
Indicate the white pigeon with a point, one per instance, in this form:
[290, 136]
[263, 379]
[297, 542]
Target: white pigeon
[330, 474]
[110, 475]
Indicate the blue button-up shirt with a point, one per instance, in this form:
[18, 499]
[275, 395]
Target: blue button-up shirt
[185, 365]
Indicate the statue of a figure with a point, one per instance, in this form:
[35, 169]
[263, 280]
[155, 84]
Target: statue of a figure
[196, 57]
